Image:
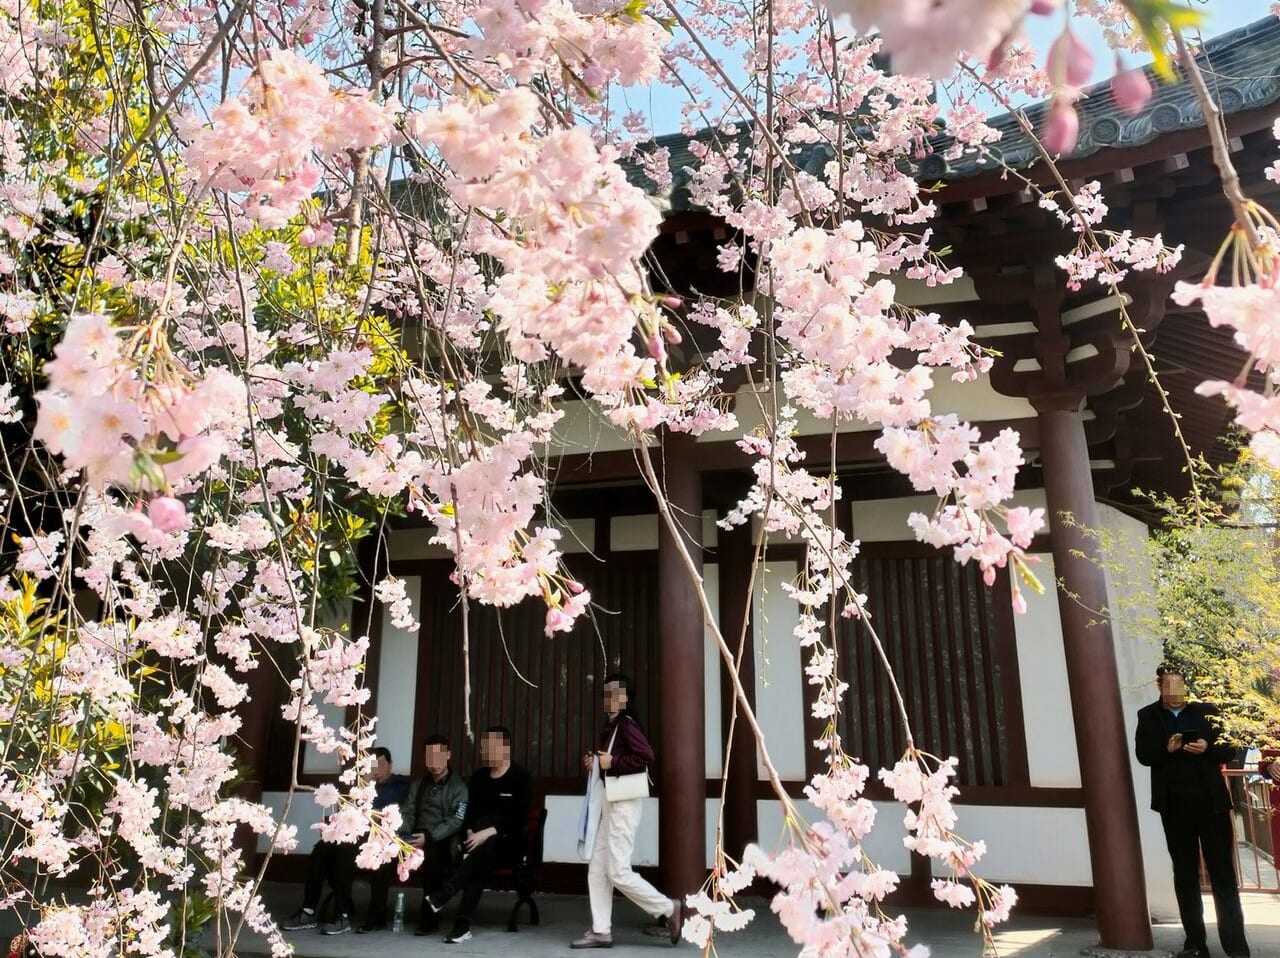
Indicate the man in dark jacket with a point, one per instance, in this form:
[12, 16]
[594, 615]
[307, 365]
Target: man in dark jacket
[431, 819]
[1178, 740]
[337, 862]
[493, 829]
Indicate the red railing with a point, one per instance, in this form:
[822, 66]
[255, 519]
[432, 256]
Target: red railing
[1256, 853]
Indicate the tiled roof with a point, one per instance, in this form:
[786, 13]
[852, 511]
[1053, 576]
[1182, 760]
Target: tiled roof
[1242, 68]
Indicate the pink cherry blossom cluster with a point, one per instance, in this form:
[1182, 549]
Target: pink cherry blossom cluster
[1250, 311]
[930, 818]
[269, 143]
[104, 418]
[270, 345]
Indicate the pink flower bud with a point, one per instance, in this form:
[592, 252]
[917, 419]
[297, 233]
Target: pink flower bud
[672, 302]
[1062, 128]
[1070, 59]
[671, 334]
[167, 513]
[1042, 8]
[1131, 89]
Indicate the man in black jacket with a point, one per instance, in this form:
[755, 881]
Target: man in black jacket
[430, 819]
[493, 830]
[1177, 739]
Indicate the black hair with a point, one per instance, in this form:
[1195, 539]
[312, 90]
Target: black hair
[621, 678]
[382, 752]
[1168, 668]
[498, 730]
[436, 739]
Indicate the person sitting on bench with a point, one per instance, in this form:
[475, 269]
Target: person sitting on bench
[431, 819]
[493, 830]
[337, 862]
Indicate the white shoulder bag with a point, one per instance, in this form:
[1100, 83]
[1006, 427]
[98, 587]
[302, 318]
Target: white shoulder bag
[622, 788]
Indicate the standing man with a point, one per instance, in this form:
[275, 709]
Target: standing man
[493, 830]
[431, 819]
[1177, 739]
[337, 862]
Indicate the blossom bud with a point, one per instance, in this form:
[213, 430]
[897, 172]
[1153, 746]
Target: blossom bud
[672, 302]
[1062, 128]
[671, 334]
[167, 513]
[1131, 89]
[1042, 8]
[1070, 58]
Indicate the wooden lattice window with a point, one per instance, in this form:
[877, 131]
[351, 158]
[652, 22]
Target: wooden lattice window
[558, 716]
[950, 641]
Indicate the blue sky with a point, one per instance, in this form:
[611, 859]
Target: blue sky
[662, 105]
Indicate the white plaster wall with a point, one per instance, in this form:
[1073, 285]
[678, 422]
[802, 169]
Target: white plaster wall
[583, 428]
[779, 671]
[1138, 652]
[885, 520]
[916, 292]
[713, 745]
[315, 762]
[397, 682]
[640, 533]
[1052, 759]
[975, 401]
[303, 813]
[413, 544]
[576, 535]
[883, 846]
[1042, 846]
[633, 533]
[560, 842]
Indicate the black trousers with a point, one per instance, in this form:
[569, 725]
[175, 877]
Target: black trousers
[437, 859]
[1193, 828]
[336, 864]
[475, 870]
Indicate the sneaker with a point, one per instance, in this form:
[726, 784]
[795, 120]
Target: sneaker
[460, 932]
[436, 903]
[302, 919]
[339, 926]
[371, 926]
[593, 939]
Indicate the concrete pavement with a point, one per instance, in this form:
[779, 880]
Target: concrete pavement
[949, 934]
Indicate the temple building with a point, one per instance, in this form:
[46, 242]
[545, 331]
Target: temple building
[1039, 707]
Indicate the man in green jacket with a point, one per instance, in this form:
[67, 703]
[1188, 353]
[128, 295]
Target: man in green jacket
[431, 817]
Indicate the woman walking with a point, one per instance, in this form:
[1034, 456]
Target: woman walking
[624, 750]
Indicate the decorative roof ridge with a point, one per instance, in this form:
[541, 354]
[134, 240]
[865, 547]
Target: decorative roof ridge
[1242, 68]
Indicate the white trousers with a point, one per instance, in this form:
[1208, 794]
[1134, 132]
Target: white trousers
[610, 867]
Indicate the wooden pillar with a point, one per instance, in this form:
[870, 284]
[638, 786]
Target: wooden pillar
[740, 819]
[255, 722]
[1115, 850]
[682, 756]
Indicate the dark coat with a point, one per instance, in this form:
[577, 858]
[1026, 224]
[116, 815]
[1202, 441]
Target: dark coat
[1155, 725]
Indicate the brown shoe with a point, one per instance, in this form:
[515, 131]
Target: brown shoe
[675, 923]
[593, 940]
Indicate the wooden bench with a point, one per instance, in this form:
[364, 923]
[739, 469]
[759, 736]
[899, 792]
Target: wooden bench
[522, 877]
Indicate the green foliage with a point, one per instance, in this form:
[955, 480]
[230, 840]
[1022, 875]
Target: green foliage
[1217, 578]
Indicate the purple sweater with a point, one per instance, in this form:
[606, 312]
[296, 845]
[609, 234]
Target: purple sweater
[631, 750]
